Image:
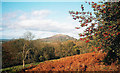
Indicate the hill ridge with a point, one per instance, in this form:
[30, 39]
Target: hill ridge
[57, 37]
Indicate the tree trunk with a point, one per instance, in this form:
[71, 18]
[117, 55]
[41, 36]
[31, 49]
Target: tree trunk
[24, 56]
[23, 63]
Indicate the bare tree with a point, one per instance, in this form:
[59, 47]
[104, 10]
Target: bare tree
[28, 36]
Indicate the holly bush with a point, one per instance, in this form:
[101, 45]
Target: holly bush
[104, 25]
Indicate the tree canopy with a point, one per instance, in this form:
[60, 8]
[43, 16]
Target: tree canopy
[105, 25]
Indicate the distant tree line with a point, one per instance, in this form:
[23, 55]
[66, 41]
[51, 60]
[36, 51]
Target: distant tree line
[12, 51]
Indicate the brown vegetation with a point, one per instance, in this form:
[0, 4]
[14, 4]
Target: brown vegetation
[83, 62]
[12, 51]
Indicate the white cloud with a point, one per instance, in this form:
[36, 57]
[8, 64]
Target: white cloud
[1, 28]
[8, 16]
[22, 17]
[0, 21]
[41, 12]
[39, 23]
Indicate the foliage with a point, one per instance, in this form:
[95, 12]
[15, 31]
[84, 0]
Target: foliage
[16, 69]
[48, 52]
[12, 51]
[27, 47]
[67, 48]
[105, 26]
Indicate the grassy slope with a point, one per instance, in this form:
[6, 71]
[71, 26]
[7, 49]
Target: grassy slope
[82, 62]
[18, 68]
[15, 69]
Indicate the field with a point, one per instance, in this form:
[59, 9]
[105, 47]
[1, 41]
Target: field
[83, 62]
[86, 60]
[15, 69]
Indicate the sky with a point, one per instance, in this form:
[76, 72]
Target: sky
[47, 0]
[42, 18]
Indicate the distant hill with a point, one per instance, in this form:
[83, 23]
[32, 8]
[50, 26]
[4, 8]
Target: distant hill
[5, 40]
[58, 37]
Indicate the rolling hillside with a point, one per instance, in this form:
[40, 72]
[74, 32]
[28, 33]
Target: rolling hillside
[82, 62]
[58, 37]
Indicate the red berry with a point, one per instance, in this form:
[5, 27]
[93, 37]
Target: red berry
[108, 3]
[86, 24]
[74, 18]
[103, 5]
[84, 12]
[73, 15]
[98, 6]
[104, 11]
[90, 13]
[91, 49]
[89, 3]
[109, 9]
[87, 12]
[95, 47]
[77, 27]
[73, 12]
[98, 49]
[110, 26]
[101, 27]
[118, 33]
[106, 38]
[77, 17]
[76, 13]
[81, 35]
[87, 41]
[106, 32]
[79, 12]
[93, 6]
[80, 21]
[80, 38]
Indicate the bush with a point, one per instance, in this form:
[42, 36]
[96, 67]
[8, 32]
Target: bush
[105, 27]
